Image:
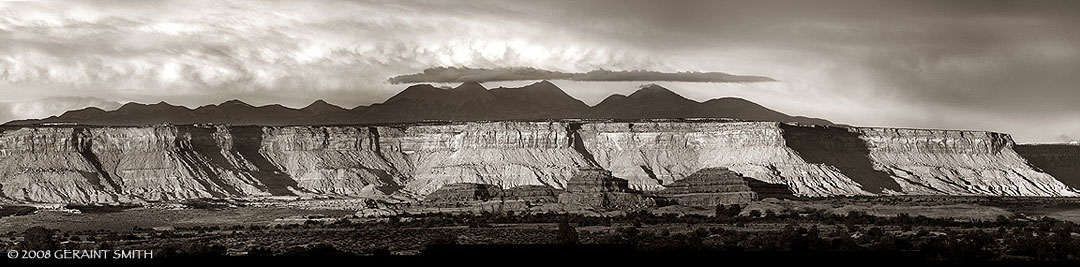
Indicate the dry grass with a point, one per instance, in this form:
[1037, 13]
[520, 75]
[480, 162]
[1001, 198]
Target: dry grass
[147, 217]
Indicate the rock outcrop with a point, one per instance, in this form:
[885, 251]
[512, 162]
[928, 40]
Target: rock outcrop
[714, 186]
[505, 154]
[598, 189]
[530, 193]
[596, 181]
[820, 161]
[462, 193]
[84, 164]
[466, 193]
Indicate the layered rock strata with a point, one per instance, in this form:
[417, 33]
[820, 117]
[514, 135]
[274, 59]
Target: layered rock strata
[462, 193]
[505, 154]
[714, 186]
[466, 193]
[530, 193]
[820, 161]
[596, 181]
[76, 164]
[597, 188]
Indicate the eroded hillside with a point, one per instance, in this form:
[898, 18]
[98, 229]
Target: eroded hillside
[134, 164]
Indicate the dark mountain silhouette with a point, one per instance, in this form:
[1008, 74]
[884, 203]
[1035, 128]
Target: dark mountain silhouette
[320, 112]
[128, 114]
[232, 112]
[236, 112]
[320, 107]
[469, 101]
[656, 102]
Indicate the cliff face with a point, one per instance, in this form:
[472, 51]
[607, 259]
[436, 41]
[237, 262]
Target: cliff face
[506, 154]
[821, 161]
[132, 164]
[86, 165]
[95, 165]
[957, 162]
[656, 153]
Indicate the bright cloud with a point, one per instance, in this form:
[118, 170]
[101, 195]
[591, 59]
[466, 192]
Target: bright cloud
[1005, 66]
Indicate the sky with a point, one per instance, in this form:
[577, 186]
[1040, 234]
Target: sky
[1007, 66]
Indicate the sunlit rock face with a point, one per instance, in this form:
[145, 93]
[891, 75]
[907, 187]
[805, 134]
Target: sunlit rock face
[596, 188]
[102, 165]
[323, 160]
[652, 154]
[127, 164]
[955, 163]
[710, 187]
[48, 165]
[74, 164]
[505, 154]
[820, 161]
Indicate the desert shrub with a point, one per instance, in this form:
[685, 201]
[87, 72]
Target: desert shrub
[16, 210]
[260, 252]
[203, 204]
[567, 234]
[755, 213]
[38, 238]
[316, 250]
[728, 211]
[193, 249]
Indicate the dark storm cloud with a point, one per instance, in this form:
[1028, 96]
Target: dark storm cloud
[1001, 65]
[465, 74]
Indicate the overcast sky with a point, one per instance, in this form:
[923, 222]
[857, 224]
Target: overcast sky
[993, 65]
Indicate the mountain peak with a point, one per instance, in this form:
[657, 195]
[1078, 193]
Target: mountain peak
[470, 86]
[612, 100]
[320, 106]
[652, 87]
[319, 102]
[85, 111]
[469, 101]
[160, 104]
[657, 93]
[419, 92]
[544, 85]
[235, 102]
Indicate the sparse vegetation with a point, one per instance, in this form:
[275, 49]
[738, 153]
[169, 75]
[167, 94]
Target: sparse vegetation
[734, 230]
[1003, 238]
[10, 210]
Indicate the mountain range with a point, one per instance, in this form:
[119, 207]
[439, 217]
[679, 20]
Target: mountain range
[469, 101]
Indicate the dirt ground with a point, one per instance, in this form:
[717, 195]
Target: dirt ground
[150, 217]
[933, 207]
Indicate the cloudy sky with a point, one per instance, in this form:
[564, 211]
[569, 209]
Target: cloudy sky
[994, 65]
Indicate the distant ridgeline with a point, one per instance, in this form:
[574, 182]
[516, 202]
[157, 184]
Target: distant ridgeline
[468, 102]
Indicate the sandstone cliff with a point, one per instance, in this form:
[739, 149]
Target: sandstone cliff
[820, 161]
[132, 164]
